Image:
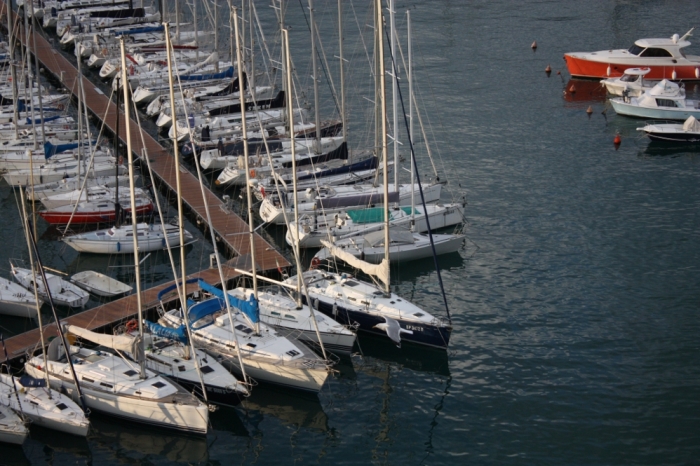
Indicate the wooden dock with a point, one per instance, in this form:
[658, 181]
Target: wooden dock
[110, 313]
[229, 228]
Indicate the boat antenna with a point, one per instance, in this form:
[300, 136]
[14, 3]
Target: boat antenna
[687, 34]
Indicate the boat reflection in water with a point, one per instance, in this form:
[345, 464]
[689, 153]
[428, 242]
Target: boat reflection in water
[302, 410]
[45, 446]
[378, 349]
[585, 90]
[112, 439]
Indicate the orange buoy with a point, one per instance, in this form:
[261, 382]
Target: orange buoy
[534, 45]
[548, 70]
[572, 89]
[589, 110]
[617, 141]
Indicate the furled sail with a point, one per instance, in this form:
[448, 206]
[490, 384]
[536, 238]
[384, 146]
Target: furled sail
[125, 343]
[381, 270]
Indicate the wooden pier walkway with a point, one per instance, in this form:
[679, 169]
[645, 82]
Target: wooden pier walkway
[229, 228]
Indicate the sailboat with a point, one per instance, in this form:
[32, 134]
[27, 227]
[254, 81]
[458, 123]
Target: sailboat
[63, 292]
[242, 342]
[375, 309]
[113, 384]
[16, 301]
[12, 427]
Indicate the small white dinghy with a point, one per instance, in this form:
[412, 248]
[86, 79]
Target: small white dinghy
[12, 428]
[16, 301]
[100, 284]
[63, 292]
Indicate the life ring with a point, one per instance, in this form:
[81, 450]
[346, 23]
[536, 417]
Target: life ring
[315, 262]
[131, 325]
[252, 173]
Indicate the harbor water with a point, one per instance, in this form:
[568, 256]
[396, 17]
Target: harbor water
[574, 300]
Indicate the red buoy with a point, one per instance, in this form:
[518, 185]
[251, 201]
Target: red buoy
[589, 110]
[572, 89]
[617, 141]
[548, 70]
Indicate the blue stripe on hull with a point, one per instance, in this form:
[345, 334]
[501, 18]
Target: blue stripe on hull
[429, 335]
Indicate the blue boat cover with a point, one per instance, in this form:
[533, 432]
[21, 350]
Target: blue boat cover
[38, 120]
[251, 308]
[203, 77]
[177, 334]
[51, 149]
[21, 107]
[203, 309]
[139, 31]
[29, 381]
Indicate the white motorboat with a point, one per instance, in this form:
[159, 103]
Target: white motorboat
[115, 386]
[279, 309]
[311, 229]
[665, 101]
[16, 301]
[100, 284]
[332, 199]
[266, 355]
[12, 427]
[631, 83]
[63, 292]
[119, 240]
[48, 173]
[41, 405]
[663, 131]
[36, 192]
[404, 246]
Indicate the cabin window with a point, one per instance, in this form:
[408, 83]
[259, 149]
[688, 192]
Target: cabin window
[158, 384]
[656, 53]
[206, 370]
[61, 406]
[350, 283]
[181, 368]
[635, 50]
[106, 385]
[666, 103]
[293, 353]
[130, 373]
[629, 78]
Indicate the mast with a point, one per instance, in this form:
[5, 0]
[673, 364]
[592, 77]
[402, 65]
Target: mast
[134, 223]
[36, 67]
[394, 93]
[385, 162]
[314, 70]
[342, 70]
[410, 119]
[182, 292]
[117, 205]
[13, 70]
[244, 128]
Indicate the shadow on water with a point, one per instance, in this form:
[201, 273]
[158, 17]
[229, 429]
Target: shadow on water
[292, 407]
[48, 443]
[584, 90]
[118, 439]
[669, 149]
[415, 357]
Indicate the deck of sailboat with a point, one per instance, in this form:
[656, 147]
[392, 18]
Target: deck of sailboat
[110, 313]
[229, 228]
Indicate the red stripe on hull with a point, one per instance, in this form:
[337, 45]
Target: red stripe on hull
[590, 69]
[62, 218]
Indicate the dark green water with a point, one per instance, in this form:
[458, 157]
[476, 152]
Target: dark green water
[575, 301]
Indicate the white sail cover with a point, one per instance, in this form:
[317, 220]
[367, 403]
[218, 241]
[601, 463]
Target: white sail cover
[117, 342]
[381, 270]
[691, 124]
[213, 58]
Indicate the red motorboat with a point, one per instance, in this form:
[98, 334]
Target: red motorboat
[664, 58]
[93, 212]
